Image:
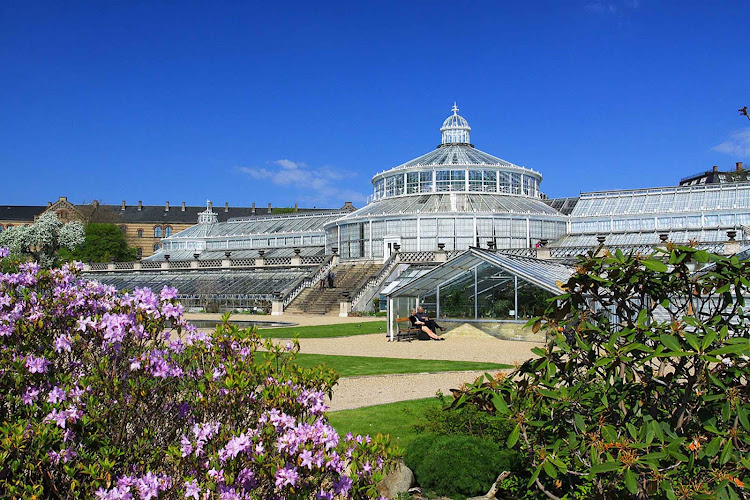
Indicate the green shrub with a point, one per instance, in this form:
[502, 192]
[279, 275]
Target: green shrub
[457, 466]
[642, 389]
[466, 420]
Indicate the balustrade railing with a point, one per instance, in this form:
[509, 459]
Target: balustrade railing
[279, 261]
[243, 263]
[416, 257]
[150, 265]
[308, 281]
[99, 266]
[209, 263]
[124, 265]
[377, 280]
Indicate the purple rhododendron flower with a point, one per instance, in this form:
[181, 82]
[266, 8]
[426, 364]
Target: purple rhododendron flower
[36, 364]
[30, 395]
[287, 475]
[192, 490]
[62, 343]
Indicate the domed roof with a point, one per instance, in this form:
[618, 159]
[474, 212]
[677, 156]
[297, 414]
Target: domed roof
[455, 129]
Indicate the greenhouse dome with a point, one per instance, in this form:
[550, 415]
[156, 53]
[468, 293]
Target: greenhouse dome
[453, 197]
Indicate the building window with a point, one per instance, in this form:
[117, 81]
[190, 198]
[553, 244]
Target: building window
[157, 247]
[1, 228]
[168, 231]
[157, 232]
[139, 251]
[140, 233]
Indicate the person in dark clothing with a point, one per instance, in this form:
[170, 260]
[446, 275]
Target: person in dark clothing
[417, 319]
[330, 279]
[429, 323]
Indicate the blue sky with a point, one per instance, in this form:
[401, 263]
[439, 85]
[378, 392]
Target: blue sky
[287, 102]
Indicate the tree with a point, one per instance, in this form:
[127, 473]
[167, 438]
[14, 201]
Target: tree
[42, 240]
[103, 243]
[641, 390]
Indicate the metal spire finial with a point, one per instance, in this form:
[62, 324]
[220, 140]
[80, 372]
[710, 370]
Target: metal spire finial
[455, 108]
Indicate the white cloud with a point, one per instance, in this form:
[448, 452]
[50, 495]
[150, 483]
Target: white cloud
[738, 144]
[323, 185]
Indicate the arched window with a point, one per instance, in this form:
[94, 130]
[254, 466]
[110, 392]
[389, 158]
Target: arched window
[140, 233]
[157, 232]
[139, 252]
[157, 247]
[168, 231]
[1, 228]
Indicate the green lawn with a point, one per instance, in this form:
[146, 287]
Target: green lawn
[350, 366]
[317, 332]
[396, 419]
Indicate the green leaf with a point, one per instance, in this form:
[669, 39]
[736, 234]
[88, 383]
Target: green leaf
[580, 424]
[513, 437]
[550, 469]
[712, 448]
[499, 403]
[708, 340]
[605, 467]
[726, 452]
[655, 265]
[670, 342]
[630, 483]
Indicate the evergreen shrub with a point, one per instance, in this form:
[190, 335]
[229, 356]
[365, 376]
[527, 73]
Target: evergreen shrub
[457, 466]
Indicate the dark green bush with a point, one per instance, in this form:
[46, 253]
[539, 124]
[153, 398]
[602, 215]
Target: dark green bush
[466, 420]
[457, 466]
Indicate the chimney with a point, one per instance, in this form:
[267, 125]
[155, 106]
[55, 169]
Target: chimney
[140, 205]
[739, 166]
[716, 168]
[253, 208]
[63, 198]
[226, 206]
[49, 204]
[269, 208]
[183, 206]
[348, 206]
[122, 205]
[211, 205]
[296, 208]
[166, 207]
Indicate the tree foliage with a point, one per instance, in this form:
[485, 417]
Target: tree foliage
[42, 240]
[104, 242]
[641, 389]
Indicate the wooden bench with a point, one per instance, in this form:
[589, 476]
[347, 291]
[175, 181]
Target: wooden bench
[406, 331]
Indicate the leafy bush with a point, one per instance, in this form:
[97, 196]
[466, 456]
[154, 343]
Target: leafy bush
[642, 387]
[466, 420]
[457, 465]
[114, 395]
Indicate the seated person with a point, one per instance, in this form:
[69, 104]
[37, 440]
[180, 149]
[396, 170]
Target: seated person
[430, 323]
[426, 332]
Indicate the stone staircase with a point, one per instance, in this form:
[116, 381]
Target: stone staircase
[313, 300]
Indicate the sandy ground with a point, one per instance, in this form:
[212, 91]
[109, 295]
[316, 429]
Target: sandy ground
[355, 392]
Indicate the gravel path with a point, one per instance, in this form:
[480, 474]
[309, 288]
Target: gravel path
[355, 392]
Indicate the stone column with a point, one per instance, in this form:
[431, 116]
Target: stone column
[260, 261]
[165, 264]
[296, 260]
[335, 259]
[440, 255]
[345, 305]
[226, 261]
[731, 246]
[194, 263]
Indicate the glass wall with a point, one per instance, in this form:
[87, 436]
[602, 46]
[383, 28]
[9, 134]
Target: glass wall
[486, 293]
[456, 233]
[462, 179]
